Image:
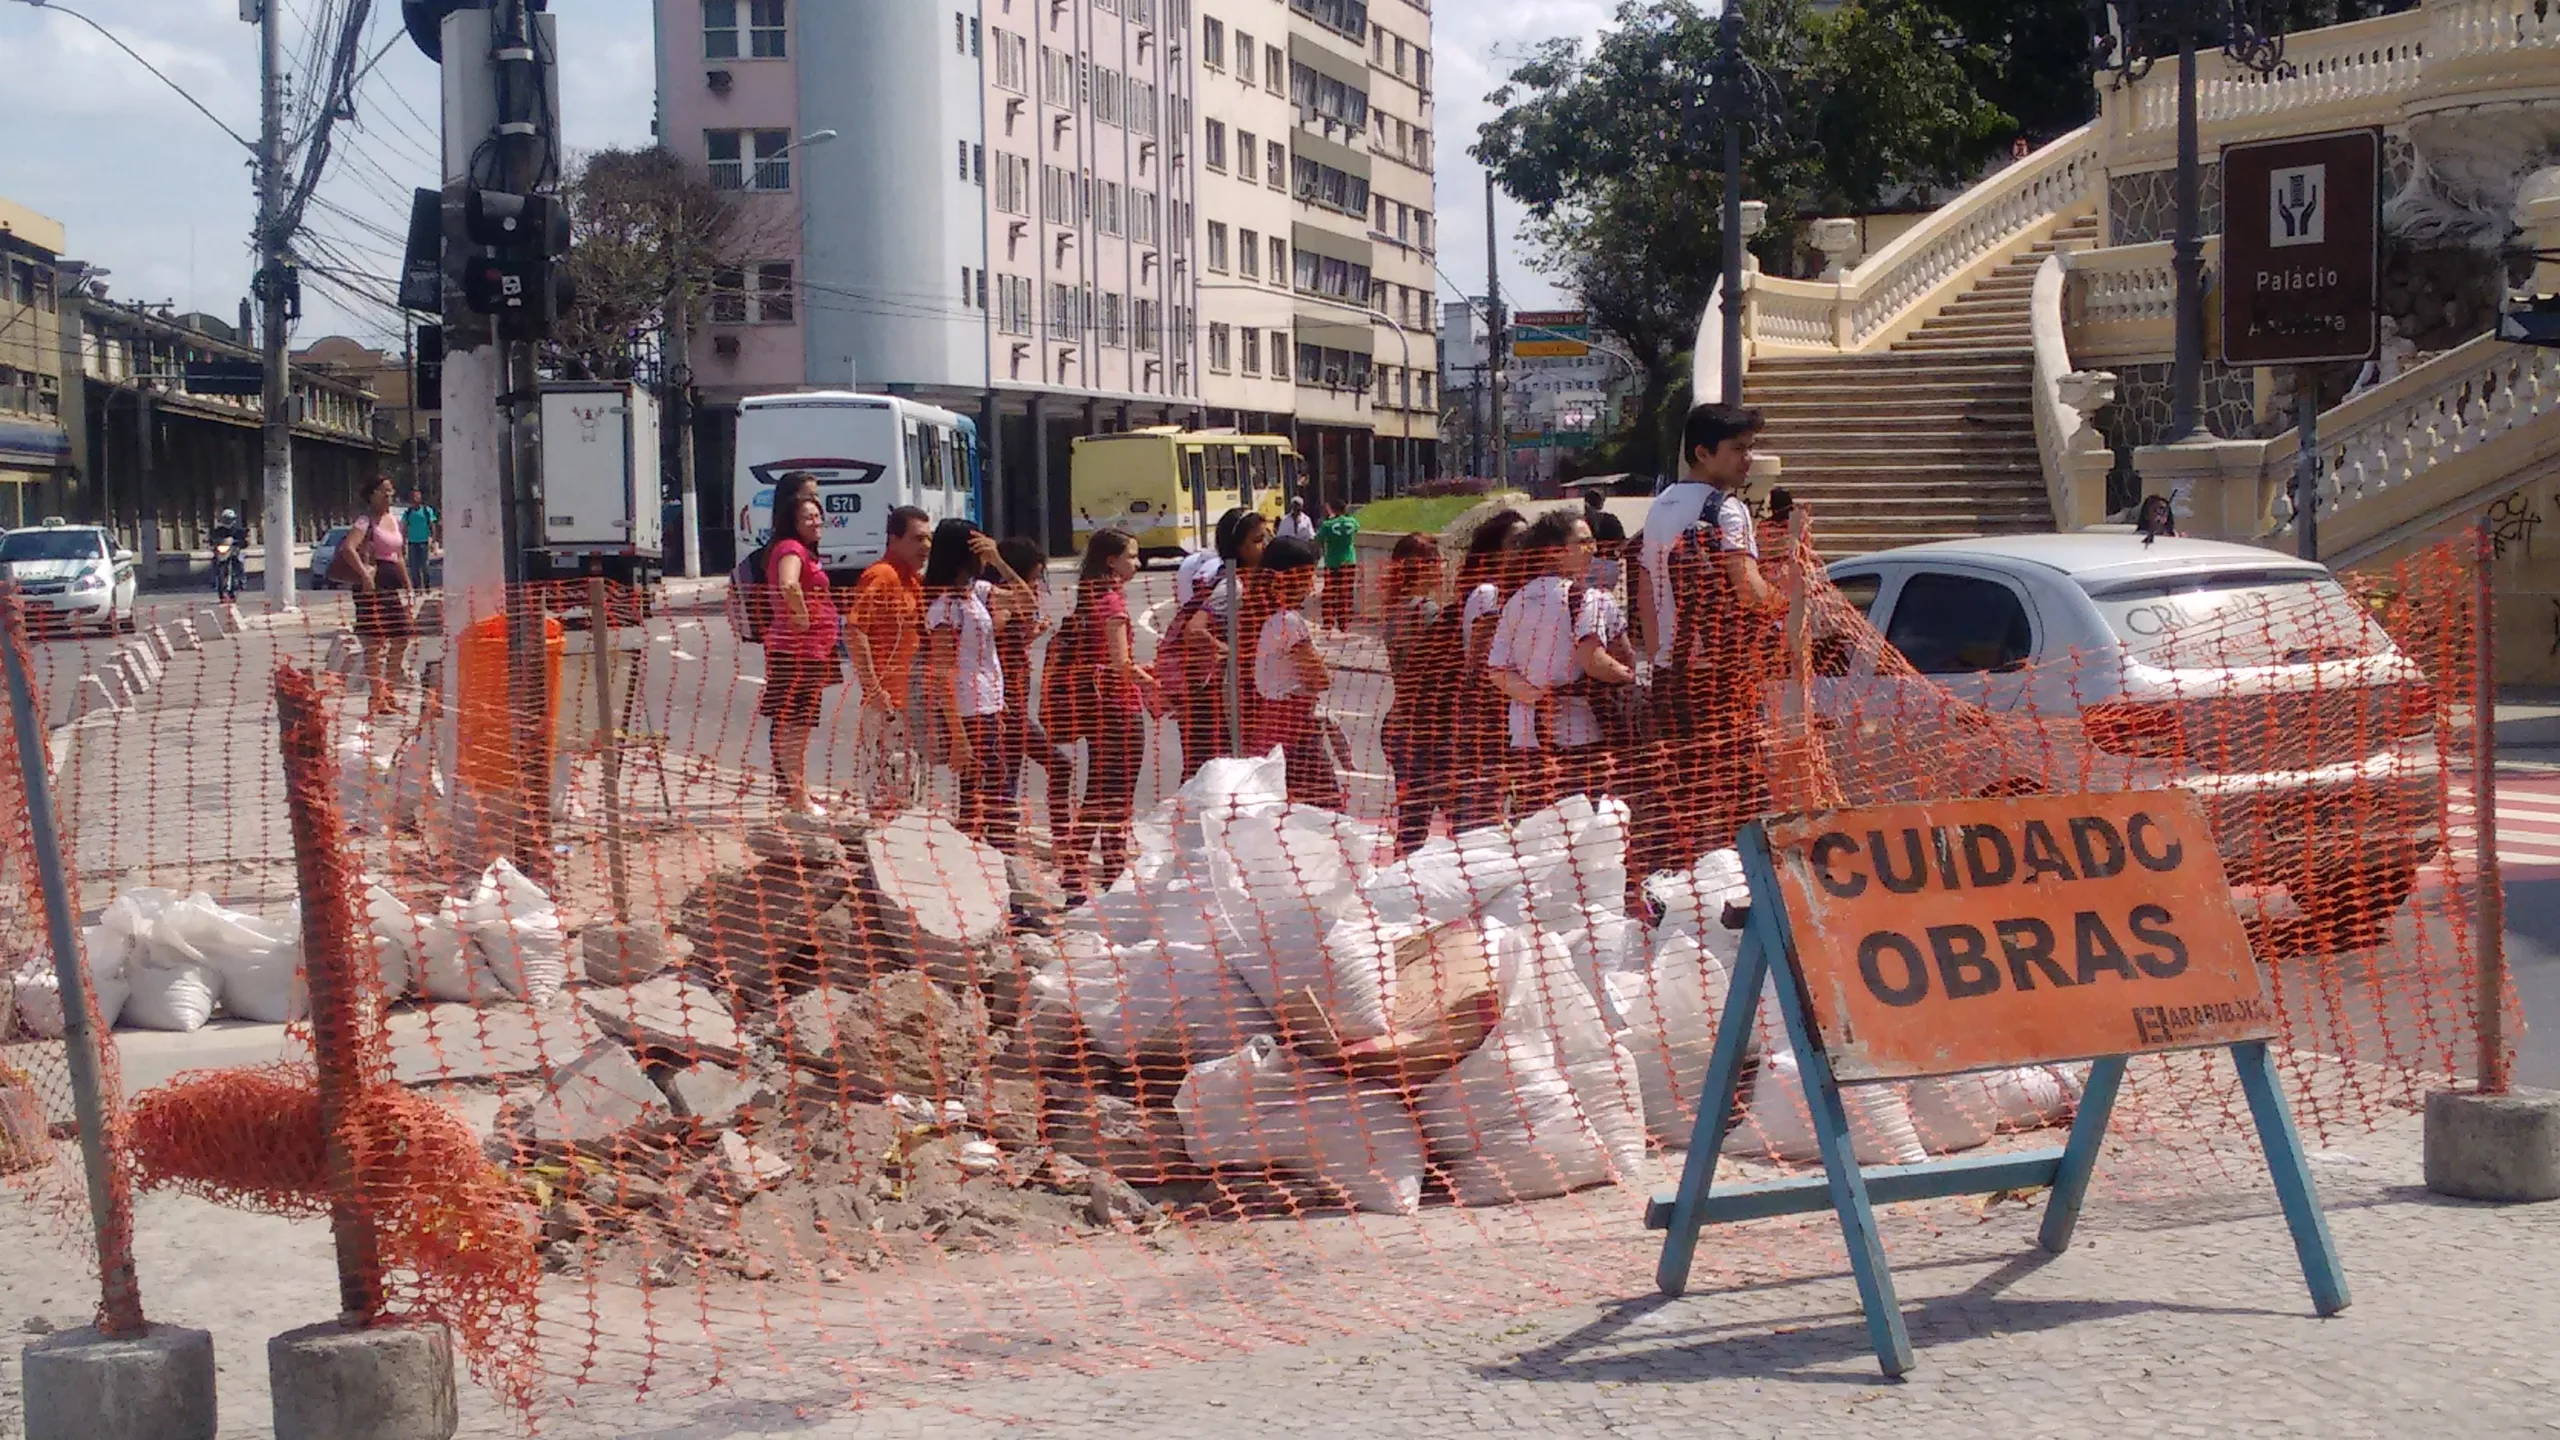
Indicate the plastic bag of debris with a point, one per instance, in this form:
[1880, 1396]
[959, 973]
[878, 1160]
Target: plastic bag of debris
[397, 935]
[1673, 1002]
[105, 949]
[1549, 1102]
[1574, 856]
[1265, 1108]
[1959, 1112]
[514, 928]
[1780, 1127]
[1280, 883]
[1169, 1003]
[171, 984]
[257, 962]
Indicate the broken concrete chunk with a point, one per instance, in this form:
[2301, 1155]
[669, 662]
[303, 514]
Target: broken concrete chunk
[899, 1033]
[750, 1167]
[668, 1015]
[626, 954]
[942, 896]
[708, 1093]
[1140, 1144]
[795, 844]
[593, 1099]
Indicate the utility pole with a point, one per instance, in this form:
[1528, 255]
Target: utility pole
[1728, 100]
[1496, 333]
[276, 527]
[680, 415]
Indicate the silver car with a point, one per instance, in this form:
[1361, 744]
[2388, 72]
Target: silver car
[2098, 662]
[72, 573]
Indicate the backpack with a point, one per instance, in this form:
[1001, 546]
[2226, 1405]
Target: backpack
[1068, 699]
[1182, 663]
[1741, 648]
[1468, 709]
[750, 598]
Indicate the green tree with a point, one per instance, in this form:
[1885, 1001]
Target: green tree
[1615, 153]
[641, 223]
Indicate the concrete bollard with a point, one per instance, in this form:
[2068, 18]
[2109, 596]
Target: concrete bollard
[160, 643]
[2494, 1147]
[228, 617]
[183, 633]
[82, 1385]
[388, 1382]
[136, 680]
[97, 695]
[208, 622]
[148, 659]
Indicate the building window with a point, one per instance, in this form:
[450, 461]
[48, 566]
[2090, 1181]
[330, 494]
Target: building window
[1108, 86]
[1422, 389]
[1333, 369]
[1114, 306]
[1013, 294]
[1146, 320]
[978, 163]
[1218, 245]
[1333, 189]
[1057, 78]
[1325, 275]
[1249, 356]
[775, 298]
[1249, 254]
[727, 303]
[964, 160]
[1275, 165]
[1013, 183]
[1246, 148]
[1213, 145]
[1347, 17]
[1213, 43]
[1013, 62]
[1422, 70]
[1062, 312]
[1142, 216]
[729, 150]
[1107, 209]
[1279, 355]
[719, 29]
[1279, 261]
[1275, 70]
[1220, 345]
[767, 27]
[1057, 195]
[1422, 230]
[1316, 93]
[1244, 57]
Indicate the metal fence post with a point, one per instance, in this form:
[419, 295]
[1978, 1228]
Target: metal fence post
[609, 732]
[110, 1189]
[2490, 1001]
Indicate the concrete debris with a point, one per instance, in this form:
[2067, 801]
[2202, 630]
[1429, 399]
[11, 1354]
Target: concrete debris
[455, 1041]
[669, 1016]
[795, 842]
[596, 1098]
[707, 1093]
[899, 1033]
[750, 1167]
[628, 954]
[942, 897]
[1143, 1145]
[755, 930]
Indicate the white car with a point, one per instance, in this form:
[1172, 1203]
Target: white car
[2096, 662]
[71, 573]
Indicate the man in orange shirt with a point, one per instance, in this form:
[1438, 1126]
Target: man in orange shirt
[884, 627]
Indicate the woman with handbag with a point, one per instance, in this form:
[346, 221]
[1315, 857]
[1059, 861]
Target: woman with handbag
[372, 560]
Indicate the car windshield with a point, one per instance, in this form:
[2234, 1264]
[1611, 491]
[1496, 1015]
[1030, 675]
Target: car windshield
[51, 545]
[2239, 618]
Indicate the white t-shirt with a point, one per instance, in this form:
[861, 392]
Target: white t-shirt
[1198, 568]
[1298, 525]
[977, 677]
[1678, 510]
[1483, 603]
[1275, 672]
[1538, 639]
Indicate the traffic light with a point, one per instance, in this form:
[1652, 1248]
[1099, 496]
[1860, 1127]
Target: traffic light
[426, 381]
[517, 272]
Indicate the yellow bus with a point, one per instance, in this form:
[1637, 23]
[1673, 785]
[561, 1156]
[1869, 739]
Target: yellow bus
[1167, 486]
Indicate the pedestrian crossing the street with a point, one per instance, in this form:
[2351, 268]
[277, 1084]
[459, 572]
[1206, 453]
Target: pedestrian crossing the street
[2528, 823]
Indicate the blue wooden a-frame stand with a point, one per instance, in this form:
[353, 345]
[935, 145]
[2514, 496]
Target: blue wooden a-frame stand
[1767, 949]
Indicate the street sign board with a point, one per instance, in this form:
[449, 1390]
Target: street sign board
[2301, 248]
[1944, 937]
[1551, 334]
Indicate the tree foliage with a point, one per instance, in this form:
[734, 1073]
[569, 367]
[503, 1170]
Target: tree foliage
[641, 223]
[1616, 154]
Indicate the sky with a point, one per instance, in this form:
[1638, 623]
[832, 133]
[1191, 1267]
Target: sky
[160, 196]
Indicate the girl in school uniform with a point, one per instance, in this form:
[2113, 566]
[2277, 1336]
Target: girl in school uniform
[1417, 749]
[966, 584]
[1472, 711]
[1553, 644]
[1289, 677]
[1094, 690]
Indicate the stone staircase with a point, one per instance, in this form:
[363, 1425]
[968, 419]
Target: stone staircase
[1932, 439]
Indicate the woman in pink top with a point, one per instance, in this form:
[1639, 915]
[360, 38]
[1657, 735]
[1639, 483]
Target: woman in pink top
[800, 657]
[1093, 689]
[372, 560]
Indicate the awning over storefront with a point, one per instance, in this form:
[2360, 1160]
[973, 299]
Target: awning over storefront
[32, 444]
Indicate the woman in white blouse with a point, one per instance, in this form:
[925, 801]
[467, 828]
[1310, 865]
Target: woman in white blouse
[967, 586]
[1556, 639]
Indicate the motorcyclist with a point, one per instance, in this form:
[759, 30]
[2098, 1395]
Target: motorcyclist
[230, 545]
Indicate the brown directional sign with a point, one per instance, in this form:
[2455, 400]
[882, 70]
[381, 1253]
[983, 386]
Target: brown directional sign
[2301, 238]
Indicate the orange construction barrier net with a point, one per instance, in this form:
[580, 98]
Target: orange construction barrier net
[1086, 968]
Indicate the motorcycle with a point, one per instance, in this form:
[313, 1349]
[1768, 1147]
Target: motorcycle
[228, 571]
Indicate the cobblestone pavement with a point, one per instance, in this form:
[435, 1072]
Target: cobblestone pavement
[2174, 1314]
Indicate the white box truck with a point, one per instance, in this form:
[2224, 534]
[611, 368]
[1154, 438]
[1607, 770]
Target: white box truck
[603, 510]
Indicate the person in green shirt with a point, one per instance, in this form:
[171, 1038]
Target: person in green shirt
[418, 528]
[1339, 534]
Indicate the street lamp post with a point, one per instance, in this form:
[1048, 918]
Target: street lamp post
[2126, 36]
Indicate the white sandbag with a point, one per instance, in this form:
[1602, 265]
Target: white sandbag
[1549, 1103]
[1581, 865]
[450, 966]
[1695, 898]
[515, 926]
[1135, 912]
[397, 935]
[365, 783]
[1958, 1112]
[1279, 888]
[38, 990]
[1157, 1001]
[1672, 1007]
[1779, 1127]
[257, 962]
[170, 990]
[1264, 1108]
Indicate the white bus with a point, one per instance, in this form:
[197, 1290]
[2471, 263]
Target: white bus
[871, 454]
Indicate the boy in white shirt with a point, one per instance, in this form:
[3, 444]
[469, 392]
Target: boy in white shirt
[1552, 644]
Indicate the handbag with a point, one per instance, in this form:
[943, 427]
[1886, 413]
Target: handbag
[345, 567]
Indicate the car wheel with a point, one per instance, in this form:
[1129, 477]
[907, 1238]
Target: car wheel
[2351, 899]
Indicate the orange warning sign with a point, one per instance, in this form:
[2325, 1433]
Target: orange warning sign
[1962, 936]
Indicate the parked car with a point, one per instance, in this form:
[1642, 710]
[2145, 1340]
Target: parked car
[72, 573]
[323, 555]
[2097, 662]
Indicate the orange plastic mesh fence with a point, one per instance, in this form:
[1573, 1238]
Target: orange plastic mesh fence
[1083, 1052]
